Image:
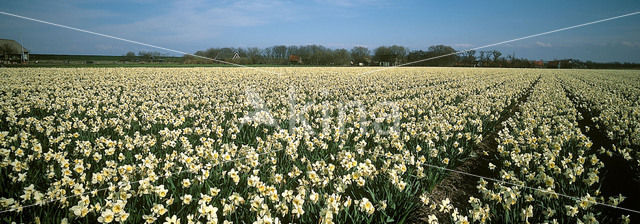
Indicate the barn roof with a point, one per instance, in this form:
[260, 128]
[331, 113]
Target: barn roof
[15, 46]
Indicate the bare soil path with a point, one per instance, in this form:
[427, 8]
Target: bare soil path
[459, 187]
[618, 177]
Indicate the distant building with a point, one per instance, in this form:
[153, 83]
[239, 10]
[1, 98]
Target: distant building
[11, 52]
[553, 64]
[538, 64]
[295, 59]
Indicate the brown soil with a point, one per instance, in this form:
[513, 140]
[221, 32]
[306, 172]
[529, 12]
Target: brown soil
[618, 175]
[457, 186]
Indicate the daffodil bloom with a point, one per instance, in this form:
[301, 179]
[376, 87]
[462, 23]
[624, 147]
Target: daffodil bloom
[263, 147]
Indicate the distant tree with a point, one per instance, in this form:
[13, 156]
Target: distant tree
[360, 54]
[341, 56]
[382, 54]
[209, 53]
[266, 52]
[485, 58]
[318, 55]
[144, 55]
[496, 55]
[254, 55]
[393, 55]
[399, 53]
[280, 51]
[437, 55]
[226, 53]
[293, 50]
[416, 56]
[325, 55]
[439, 51]
[241, 52]
[149, 55]
[7, 49]
[130, 56]
[469, 57]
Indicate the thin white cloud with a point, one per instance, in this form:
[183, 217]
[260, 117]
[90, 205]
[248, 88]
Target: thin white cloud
[361, 45]
[336, 45]
[542, 44]
[199, 20]
[463, 45]
[630, 44]
[63, 12]
[353, 3]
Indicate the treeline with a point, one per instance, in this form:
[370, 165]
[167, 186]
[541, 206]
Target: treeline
[307, 55]
[358, 56]
[438, 55]
[149, 56]
[278, 55]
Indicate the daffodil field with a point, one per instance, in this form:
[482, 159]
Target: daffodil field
[310, 145]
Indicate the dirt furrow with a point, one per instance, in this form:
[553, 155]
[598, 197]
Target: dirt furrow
[458, 187]
[617, 177]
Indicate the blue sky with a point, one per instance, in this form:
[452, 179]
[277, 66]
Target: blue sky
[193, 25]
